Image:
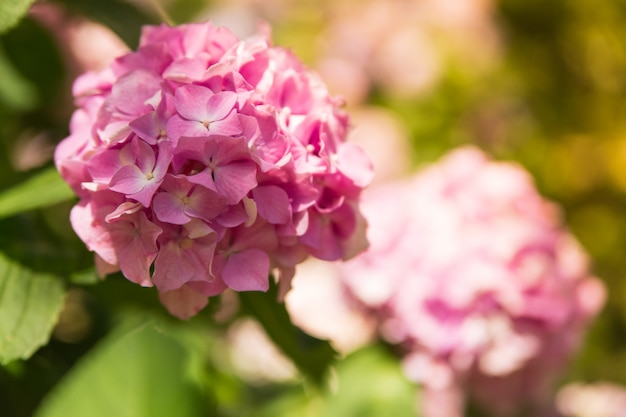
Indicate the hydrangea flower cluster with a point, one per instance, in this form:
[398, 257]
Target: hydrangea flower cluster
[471, 272]
[204, 162]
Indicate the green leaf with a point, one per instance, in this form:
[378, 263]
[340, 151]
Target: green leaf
[43, 189]
[185, 10]
[34, 55]
[122, 17]
[11, 11]
[372, 384]
[16, 91]
[85, 277]
[312, 356]
[29, 307]
[135, 373]
[292, 403]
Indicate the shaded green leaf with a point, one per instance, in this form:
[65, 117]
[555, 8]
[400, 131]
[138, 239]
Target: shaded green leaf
[43, 189]
[185, 10]
[123, 17]
[85, 277]
[135, 373]
[34, 54]
[371, 384]
[15, 90]
[312, 356]
[29, 307]
[292, 403]
[11, 11]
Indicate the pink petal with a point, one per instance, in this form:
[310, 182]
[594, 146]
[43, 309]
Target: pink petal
[135, 263]
[194, 39]
[186, 70]
[104, 165]
[103, 268]
[355, 164]
[247, 271]
[125, 209]
[127, 155]
[173, 267]
[227, 126]
[143, 155]
[90, 231]
[163, 160]
[260, 235]
[183, 200]
[344, 221]
[210, 288]
[196, 229]
[115, 132]
[204, 178]
[145, 195]
[169, 208]
[183, 302]
[235, 180]
[188, 149]
[234, 216]
[205, 204]
[147, 127]
[219, 105]
[191, 102]
[128, 180]
[153, 58]
[131, 91]
[135, 243]
[320, 238]
[225, 149]
[182, 259]
[178, 127]
[272, 204]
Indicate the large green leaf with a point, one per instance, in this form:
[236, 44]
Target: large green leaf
[29, 306]
[11, 11]
[35, 57]
[312, 356]
[122, 17]
[368, 383]
[135, 373]
[41, 190]
[16, 91]
[371, 384]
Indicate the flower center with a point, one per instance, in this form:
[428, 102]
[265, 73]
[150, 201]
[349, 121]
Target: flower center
[186, 243]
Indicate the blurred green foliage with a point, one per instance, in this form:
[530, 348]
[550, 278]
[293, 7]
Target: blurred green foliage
[11, 11]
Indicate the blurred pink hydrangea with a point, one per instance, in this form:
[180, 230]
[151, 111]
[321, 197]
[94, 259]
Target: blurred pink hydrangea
[472, 274]
[405, 47]
[598, 399]
[203, 162]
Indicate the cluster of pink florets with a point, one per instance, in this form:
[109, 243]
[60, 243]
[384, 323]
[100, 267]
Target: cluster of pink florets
[470, 271]
[204, 162]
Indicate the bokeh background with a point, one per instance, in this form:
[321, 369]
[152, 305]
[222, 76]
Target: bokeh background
[540, 83]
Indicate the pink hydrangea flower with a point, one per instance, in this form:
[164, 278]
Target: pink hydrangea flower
[471, 273]
[595, 399]
[204, 162]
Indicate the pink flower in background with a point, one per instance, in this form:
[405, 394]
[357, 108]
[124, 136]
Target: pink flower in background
[85, 45]
[203, 162]
[405, 47]
[598, 399]
[472, 275]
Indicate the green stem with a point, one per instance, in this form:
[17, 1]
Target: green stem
[312, 356]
